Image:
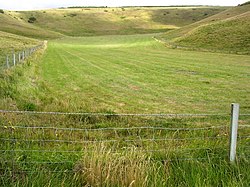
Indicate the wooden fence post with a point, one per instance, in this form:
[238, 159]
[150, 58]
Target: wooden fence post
[235, 108]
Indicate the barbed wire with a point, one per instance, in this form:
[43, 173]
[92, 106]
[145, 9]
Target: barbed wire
[244, 125]
[111, 140]
[116, 151]
[244, 114]
[116, 128]
[244, 137]
[37, 162]
[110, 114]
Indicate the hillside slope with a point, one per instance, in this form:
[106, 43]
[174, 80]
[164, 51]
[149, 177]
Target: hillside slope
[12, 22]
[227, 31]
[108, 21]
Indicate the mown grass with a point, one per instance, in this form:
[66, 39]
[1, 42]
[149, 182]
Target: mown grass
[125, 74]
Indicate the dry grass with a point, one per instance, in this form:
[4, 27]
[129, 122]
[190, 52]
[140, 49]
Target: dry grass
[104, 167]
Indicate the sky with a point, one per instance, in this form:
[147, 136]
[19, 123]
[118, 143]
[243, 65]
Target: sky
[45, 4]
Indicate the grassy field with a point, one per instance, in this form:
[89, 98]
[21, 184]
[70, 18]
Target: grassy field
[133, 74]
[115, 74]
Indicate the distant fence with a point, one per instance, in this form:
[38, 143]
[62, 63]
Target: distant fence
[26, 144]
[17, 57]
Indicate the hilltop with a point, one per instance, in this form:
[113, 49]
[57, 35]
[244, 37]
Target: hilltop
[227, 31]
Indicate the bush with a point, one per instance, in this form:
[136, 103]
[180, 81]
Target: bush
[72, 15]
[32, 19]
[1, 11]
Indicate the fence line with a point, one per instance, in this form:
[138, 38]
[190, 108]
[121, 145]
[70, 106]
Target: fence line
[244, 126]
[89, 151]
[18, 56]
[111, 140]
[116, 128]
[70, 144]
[111, 114]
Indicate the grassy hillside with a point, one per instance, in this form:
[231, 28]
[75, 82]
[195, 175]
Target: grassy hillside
[226, 31]
[230, 35]
[12, 22]
[103, 21]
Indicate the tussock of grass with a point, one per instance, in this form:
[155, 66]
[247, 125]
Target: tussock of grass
[104, 167]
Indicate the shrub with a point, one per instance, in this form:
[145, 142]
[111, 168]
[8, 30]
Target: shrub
[72, 15]
[32, 19]
[1, 11]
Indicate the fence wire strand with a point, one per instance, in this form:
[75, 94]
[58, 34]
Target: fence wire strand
[118, 128]
[111, 114]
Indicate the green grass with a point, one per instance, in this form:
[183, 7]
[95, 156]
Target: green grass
[225, 32]
[121, 74]
[133, 74]
[119, 163]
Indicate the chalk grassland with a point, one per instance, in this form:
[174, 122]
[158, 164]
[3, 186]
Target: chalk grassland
[101, 21]
[10, 23]
[125, 74]
[121, 74]
[226, 32]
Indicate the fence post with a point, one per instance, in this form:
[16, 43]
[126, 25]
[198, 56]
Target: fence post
[235, 108]
[7, 62]
[14, 58]
[19, 57]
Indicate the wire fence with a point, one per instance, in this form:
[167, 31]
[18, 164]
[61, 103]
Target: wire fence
[17, 57]
[58, 141]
